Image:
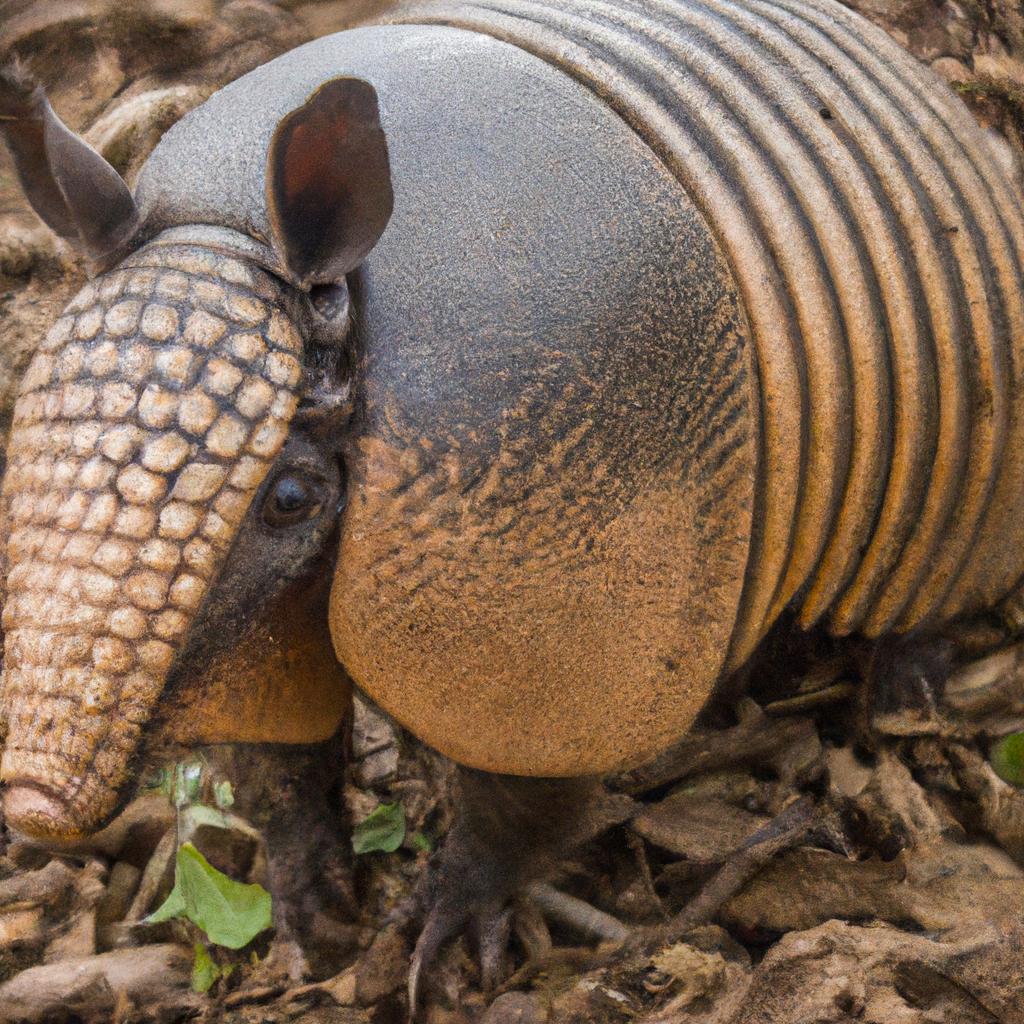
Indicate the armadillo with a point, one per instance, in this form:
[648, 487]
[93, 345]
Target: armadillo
[568, 344]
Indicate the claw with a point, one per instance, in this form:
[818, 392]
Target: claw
[494, 934]
[492, 928]
[435, 931]
[502, 840]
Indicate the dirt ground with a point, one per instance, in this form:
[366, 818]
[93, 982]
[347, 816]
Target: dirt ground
[890, 890]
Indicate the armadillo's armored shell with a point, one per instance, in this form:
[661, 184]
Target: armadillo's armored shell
[878, 248]
[550, 492]
[689, 309]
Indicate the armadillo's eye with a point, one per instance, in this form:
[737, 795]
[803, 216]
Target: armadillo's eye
[291, 499]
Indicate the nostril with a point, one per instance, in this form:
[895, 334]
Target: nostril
[37, 814]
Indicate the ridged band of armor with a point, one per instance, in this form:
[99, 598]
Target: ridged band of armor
[878, 249]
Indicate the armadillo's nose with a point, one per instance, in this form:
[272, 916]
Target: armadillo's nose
[38, 815]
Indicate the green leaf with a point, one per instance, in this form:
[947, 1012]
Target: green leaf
[172, 907]
[421, 842]
[223, 795]
[1007, 758]
[382, 831]
[231, 913]
[204, 971]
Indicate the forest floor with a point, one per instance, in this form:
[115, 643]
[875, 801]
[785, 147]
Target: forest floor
[807, 857]
[832, 861]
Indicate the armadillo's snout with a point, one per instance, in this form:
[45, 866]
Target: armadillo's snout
[145, 424]
[39, 815]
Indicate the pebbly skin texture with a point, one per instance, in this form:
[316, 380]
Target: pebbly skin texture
[146, 423]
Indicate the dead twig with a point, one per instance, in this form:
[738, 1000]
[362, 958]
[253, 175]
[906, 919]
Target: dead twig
[577, 914]
[804, 702]
[636, 844]
[787, 830]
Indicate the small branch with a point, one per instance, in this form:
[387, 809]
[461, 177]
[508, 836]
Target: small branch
[789, 829]
[577, 914]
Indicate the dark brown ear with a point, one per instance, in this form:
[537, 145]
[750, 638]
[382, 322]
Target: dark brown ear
[72, 188]
[328, 182]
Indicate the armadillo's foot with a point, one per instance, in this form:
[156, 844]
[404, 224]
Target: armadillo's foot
[487, 924]
[509, 832]
[491, 931]
[319, 925]
[286, 959]
[315, 908]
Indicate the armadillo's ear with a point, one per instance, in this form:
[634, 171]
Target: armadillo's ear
[79, 195]
[328, 182]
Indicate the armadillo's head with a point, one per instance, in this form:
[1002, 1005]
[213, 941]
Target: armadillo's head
[173, 477]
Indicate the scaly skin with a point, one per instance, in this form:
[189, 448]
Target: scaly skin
[172, 515]
[145, 424]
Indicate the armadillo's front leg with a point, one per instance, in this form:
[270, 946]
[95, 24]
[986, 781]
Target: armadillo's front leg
[293, 794]
[509, 832]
